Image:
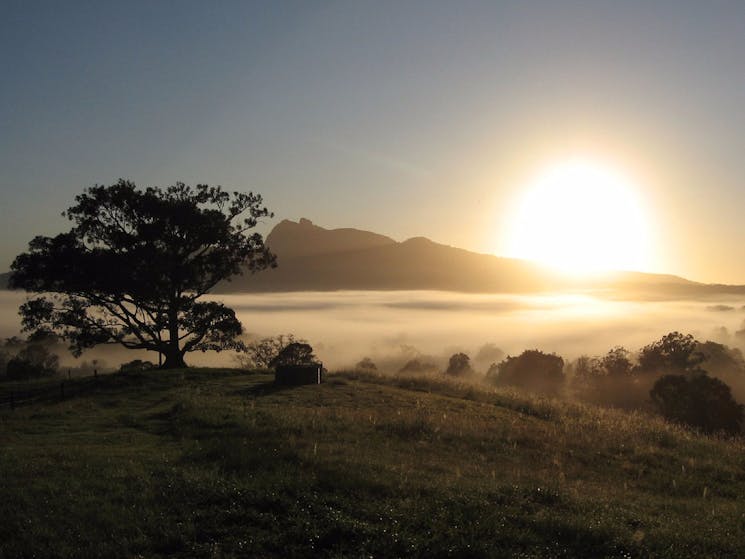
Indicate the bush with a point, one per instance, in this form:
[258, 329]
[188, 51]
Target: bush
[259, 354]
[294, 354]
[459, 365]
[699, 401]
[531, 370]
[33, 361]
[136, 366]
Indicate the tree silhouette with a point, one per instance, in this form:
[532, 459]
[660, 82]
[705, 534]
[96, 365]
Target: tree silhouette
[698, 400]
[610, 380]
[674, 353]
[720, 359]
[135, 264]
[34, 360]
[616, 363]
[459, 365]
[531, 370]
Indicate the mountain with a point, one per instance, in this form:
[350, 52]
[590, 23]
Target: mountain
[311, 258]
[300, 239]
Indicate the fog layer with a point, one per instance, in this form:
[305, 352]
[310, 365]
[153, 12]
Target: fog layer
[347, 325]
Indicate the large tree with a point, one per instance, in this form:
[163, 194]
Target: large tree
[136, 263]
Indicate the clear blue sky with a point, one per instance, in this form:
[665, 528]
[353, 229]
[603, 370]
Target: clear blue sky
[407, 118]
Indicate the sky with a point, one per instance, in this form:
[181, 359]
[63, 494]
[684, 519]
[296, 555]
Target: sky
[405, 118]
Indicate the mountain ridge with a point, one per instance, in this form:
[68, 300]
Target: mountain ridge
[312, 258]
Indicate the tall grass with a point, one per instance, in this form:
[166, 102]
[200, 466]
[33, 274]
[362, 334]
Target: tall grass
[219, 463]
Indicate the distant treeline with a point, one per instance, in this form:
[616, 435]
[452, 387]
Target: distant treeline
[687, 381]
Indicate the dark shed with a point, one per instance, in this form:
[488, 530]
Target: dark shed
[299, 374]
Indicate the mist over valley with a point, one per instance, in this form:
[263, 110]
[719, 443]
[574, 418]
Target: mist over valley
[391, 326]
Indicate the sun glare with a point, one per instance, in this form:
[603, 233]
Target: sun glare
[581, 218]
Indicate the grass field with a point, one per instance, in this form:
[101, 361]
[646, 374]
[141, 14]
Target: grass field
[220, 463]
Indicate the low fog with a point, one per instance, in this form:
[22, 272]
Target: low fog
[391, 327]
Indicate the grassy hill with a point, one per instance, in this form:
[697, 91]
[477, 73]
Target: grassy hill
[220, 463]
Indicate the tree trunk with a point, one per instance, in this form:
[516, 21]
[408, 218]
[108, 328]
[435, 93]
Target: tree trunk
[174, 360]
[172, 352]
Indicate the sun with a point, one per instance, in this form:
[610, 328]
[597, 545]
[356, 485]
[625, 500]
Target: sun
[581, 217]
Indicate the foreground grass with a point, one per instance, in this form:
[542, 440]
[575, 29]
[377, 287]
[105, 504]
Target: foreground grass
[219, 463]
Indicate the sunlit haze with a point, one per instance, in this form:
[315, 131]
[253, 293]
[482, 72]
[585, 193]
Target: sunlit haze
[581, 217]
[432, 119]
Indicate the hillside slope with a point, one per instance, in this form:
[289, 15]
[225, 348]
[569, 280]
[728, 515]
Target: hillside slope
[221, 463]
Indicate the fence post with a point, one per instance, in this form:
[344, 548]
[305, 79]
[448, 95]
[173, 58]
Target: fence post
[95, 374]
[62, 390]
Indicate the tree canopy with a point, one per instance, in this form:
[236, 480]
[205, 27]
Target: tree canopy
[531, 370]
[698, 400]
[459, 365]
[135, 264]
[674, 353]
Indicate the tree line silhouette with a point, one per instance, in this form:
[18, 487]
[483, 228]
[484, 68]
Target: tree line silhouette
[677, 375]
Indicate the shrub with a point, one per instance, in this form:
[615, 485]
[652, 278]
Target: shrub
[136, 366]
[294, 354]
[531, 370]
[699, 401]
[259, 354]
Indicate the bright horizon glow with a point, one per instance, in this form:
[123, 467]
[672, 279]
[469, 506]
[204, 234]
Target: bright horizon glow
[580, 217]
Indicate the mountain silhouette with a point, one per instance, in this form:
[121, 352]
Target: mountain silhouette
[312, 258]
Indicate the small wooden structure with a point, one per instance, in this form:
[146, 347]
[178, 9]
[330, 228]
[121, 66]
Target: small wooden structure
[299, 374]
